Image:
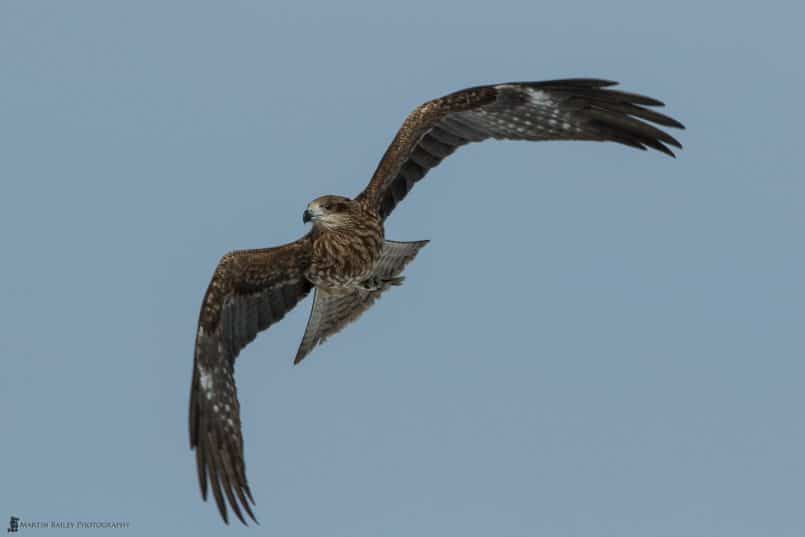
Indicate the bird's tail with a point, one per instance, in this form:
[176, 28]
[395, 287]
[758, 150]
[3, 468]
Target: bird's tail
[332, 311]
[395, 256]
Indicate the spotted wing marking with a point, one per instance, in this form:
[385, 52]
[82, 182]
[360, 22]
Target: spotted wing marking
[573, 109]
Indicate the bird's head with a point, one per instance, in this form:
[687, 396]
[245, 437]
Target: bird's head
[331, 211]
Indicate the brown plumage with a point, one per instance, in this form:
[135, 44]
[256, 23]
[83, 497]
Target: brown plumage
[347, 259]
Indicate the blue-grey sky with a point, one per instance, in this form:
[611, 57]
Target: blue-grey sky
[598, 341]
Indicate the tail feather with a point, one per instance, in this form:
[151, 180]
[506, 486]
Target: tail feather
[332, 311]
[395, 256]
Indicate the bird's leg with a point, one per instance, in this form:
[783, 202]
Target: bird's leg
[376, 283]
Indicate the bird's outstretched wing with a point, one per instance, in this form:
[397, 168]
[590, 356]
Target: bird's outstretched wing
[573, 109]
[250, 291]
[333, 310]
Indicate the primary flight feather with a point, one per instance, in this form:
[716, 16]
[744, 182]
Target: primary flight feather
[347, 261]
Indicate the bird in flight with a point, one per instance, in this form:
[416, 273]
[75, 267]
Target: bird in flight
[346, 260]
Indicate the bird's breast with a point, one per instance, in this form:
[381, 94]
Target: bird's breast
[345, 258]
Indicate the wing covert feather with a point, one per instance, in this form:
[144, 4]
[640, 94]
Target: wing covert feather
[250, 290]
[572, 109]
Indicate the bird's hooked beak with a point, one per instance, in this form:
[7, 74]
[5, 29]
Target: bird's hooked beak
[306, 216]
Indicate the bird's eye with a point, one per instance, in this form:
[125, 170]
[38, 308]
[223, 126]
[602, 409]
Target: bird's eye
[327, 206]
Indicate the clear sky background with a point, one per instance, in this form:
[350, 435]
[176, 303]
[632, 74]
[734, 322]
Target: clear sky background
[597, 342]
